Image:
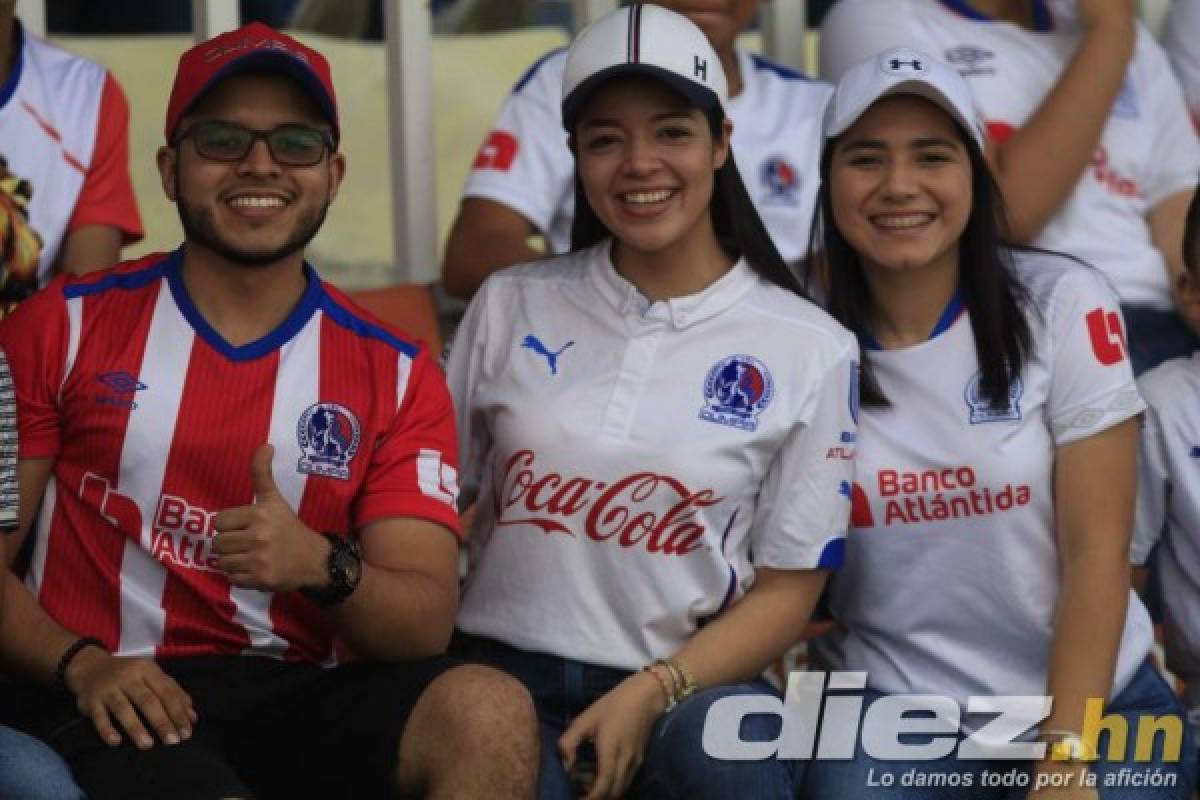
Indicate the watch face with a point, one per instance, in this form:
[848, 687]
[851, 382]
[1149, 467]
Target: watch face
[346, 567]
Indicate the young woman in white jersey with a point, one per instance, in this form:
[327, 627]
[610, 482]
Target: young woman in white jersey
[988, 554]
[659, 427]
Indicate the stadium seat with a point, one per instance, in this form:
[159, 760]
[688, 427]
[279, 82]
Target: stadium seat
[409, 307]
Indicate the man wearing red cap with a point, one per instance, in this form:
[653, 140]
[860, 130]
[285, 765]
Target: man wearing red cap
[244, 480]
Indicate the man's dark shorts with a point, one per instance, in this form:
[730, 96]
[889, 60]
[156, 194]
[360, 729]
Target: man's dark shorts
[267, 729]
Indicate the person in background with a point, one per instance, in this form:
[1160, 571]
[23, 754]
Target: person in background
[522, 181]
[29, 770]
[997, 395]
[1168, 507]
[64, 162]
[246, 568]
[1090, 138]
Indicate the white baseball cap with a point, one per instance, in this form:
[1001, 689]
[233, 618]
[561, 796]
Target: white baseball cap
[902, 70]
[648, 40]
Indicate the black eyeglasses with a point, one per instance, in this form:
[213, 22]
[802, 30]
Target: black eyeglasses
[290, 145]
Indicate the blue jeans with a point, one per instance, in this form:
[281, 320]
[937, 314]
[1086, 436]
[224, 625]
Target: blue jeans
[30, 770]
[1156, 336]
[863, 777]
[675, 764]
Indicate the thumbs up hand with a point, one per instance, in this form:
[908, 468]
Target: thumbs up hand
[265, 545]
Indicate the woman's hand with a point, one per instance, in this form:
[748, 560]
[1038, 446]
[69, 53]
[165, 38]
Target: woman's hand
[618, 724]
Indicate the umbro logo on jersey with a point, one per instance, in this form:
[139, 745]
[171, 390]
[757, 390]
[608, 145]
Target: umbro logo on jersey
[123, 386]
[533, 343]
[121, 382]
[971, 60]
[736, 390]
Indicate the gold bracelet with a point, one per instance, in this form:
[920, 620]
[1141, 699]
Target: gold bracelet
[676, 676]
[685, 687]
[668, 690]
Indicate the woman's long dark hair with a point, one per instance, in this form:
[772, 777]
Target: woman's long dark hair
[739, 229]
[995, 300]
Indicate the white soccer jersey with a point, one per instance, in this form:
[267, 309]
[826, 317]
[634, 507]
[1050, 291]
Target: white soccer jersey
[637, 462]
[524, 163]
[1148, 150]
[951, 576]
[64, 129]
[1169, 508]
[1181, 40]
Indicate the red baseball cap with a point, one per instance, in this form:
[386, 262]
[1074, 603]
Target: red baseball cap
[254, 47]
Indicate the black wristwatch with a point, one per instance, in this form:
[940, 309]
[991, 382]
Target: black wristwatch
[345, 570]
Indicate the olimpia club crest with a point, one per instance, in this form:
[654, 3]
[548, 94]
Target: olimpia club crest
[980, 405]
[736, 391]
[328, 434]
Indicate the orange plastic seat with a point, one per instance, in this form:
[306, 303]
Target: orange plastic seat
[410, 307]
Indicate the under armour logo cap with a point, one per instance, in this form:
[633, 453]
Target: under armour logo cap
[253, 47]
[643, 39]
[902, 70]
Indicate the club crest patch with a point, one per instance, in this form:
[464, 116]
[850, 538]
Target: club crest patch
[329, 435]
[736, 390]
[981, 407]
[781, 180]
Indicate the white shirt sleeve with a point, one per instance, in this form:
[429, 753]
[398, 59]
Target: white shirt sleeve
[524, 163]
[465, 368]
[855, 30]
[1154, 486]
[1176, 162]
[1091, 383]
[804, 503]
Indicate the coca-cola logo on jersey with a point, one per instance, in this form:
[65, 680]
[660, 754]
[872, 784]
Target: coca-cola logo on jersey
[646, 510]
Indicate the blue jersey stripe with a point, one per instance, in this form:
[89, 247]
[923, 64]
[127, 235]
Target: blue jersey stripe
[349, 320]
[124, 280]
[787, 73]
[833, 555]
[1043, 20]
[14, 76]
[529, 73]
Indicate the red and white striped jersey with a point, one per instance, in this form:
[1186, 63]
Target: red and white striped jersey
[152, 420]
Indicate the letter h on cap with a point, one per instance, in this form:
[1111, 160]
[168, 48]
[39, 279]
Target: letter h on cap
[700, 68]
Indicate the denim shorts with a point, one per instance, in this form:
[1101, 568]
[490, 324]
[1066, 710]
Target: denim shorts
[675, 764]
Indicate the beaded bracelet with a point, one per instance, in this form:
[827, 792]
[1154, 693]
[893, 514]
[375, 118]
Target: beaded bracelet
[668, 689]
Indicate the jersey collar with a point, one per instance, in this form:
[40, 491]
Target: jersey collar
[292, 325]
[9, 86]
[950, 314]
[683, 312]
[1043, 20]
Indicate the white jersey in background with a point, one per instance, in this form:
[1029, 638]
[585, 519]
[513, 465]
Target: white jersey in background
[952, 569]
[1169, 508]
[1181, 40]
[64, 129]
[524, 163]
[637, 462]
[1148, 150]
